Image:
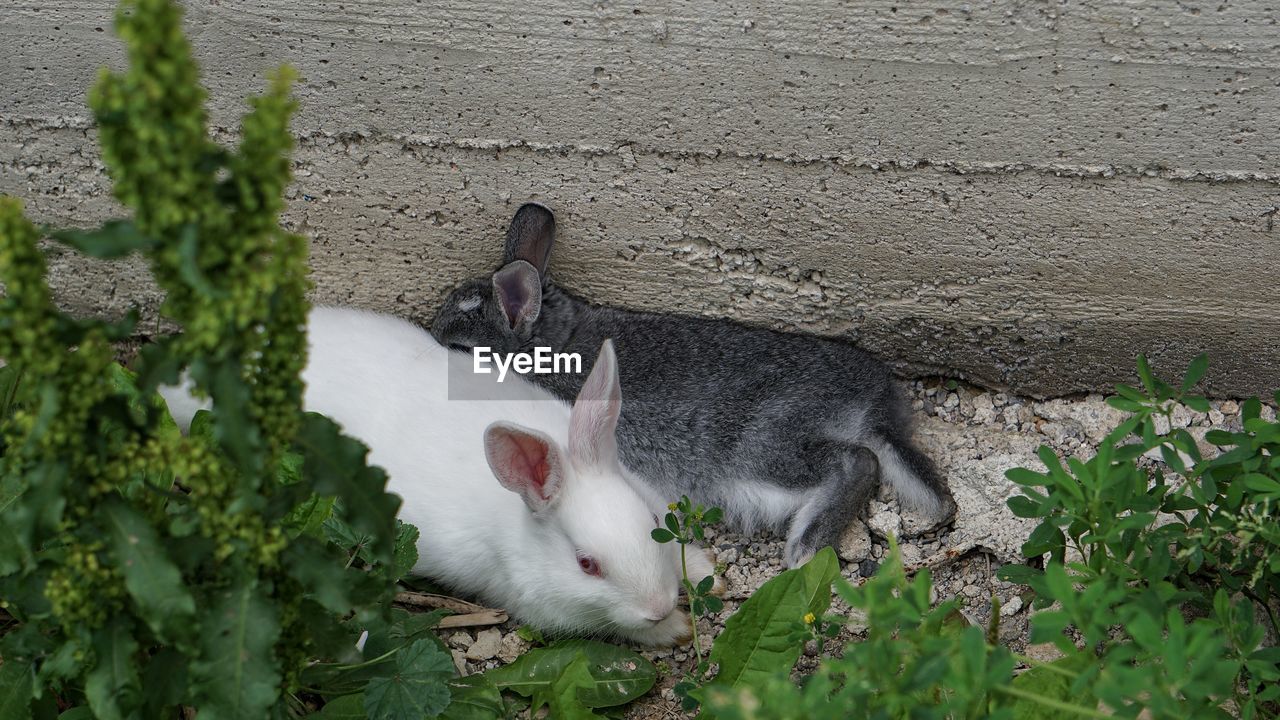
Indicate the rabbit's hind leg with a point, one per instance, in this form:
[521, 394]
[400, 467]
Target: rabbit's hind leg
[849, 477]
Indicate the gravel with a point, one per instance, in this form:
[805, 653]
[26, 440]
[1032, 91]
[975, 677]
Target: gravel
[974, 436]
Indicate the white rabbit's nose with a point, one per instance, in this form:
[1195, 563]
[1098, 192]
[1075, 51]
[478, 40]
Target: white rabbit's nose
[659, 608]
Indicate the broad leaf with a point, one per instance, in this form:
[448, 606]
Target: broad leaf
[416, 689]
[474, 698]
[112, 686]
[759, 640]
[237, 675]
[15, 690]
[346, 707]
[152, 579]
[614, 675]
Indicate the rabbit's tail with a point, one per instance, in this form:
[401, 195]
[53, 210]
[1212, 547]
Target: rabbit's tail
[913, 477]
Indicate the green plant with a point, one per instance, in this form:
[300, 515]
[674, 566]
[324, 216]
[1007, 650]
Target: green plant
[145, 570]
[1159, 568]
[686, 523]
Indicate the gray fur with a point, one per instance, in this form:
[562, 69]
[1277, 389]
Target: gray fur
[781, 430]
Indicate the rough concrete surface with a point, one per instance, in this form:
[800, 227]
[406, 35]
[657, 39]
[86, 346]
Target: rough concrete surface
[1025, 194]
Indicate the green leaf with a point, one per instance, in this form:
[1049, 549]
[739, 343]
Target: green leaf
[662, 535]
[1055, 683]
[15, 690]
[116, 238]
[1024, 507]
[112, 686]
[1020, 574]
[416, 687]
[1195, 371]
[474, 698]
[320, 569]
[758, 641]
[562, 699]
[1144, 372]
[237, 675]
[152, 579]
[335, 465]
[614, 675]
[672, 524]
[347, 707]
[713, 516]
[308, 517]
[406, 550]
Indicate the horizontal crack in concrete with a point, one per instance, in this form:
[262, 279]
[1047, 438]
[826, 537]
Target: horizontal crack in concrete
[625, 149]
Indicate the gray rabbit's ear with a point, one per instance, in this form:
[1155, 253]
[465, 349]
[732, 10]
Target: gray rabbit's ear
[519, 292]
[526, 462]
[593, 421]
[531, 235]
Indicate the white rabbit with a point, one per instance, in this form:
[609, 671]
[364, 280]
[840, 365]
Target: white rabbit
[561, 538]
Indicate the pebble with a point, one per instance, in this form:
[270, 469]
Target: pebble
[488, 643]
[1011, 606]
[513, 646]
[1229, 407]
[459, 640]
[911, 555]
[855, 543]
[885, 523]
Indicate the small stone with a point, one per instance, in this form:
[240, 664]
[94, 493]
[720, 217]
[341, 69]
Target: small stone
[1216, 418]
[855, 543]
[911, 555]
[1011, 606]
[885, 523]
[459, 640]
[459, 662]
[1181, 416]
[513, 646]
[867, 568]
[952, 401]
[728, 556]
[488, 643]
[1229, 407]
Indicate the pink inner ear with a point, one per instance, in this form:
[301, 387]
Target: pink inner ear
[528, 461]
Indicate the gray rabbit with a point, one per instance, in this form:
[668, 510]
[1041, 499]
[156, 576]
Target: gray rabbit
[780, 430]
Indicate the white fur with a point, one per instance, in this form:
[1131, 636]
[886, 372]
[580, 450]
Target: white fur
[384, 380]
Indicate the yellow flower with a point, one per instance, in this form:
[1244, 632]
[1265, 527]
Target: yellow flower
[671, 507]
[809, 618]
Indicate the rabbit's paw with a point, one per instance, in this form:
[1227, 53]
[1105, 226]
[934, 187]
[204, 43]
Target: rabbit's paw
[672, 630]
[798, 552]
[702, 563]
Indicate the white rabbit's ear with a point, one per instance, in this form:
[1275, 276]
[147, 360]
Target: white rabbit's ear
[530, 236]
[519, 293]
[593, 422]
[526, 462]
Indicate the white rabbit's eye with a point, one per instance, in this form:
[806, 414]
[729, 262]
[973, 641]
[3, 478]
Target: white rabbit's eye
[588, 564]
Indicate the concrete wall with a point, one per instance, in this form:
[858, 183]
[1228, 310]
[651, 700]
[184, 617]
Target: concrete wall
[1026, 193]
